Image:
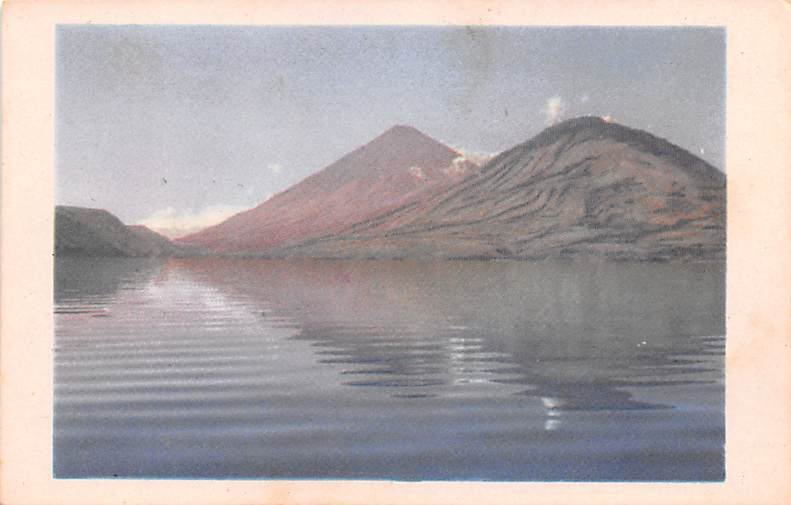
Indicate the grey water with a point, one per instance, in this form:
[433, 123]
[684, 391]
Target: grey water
[447, 370]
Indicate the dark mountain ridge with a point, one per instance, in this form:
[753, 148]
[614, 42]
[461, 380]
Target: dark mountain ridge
[588, 128]
[81, 231]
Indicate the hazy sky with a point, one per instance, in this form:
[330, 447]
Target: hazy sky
[183, 125]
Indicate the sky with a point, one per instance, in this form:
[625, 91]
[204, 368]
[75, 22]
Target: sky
[179, 127]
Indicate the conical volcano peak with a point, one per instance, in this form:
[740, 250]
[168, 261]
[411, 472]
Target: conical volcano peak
[387, 173]
[397, 149]
[402, 128]
[406, 135]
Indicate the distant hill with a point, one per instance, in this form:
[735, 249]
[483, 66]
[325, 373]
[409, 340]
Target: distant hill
[585, 187]
[94, 232]
[393, 172]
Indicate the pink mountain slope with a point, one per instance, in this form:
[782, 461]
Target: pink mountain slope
[397, 170]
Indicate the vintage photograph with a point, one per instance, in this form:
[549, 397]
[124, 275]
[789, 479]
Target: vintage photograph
[402, 253]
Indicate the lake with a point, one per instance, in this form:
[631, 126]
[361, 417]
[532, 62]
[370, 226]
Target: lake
[448, 370]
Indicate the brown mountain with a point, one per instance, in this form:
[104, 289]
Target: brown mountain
[81, 231]
[393, 172]
[583, 187]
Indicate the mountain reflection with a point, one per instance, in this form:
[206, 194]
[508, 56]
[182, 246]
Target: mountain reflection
[574, 336]
[98, 280]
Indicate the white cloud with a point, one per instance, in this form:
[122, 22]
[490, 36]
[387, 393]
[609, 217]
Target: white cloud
[276, 168]
[460, 164]
[417, 172]
[477, 157]
[175, 223]
[554, 109]
[584, 98]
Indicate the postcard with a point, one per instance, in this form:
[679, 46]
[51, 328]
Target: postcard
[447, 253]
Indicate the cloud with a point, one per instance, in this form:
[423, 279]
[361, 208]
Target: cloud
[554, 109]
[276, 168]
[467, 155]
[478, 157]
[417, 172]
[459, 165]
[466, 160]
[175, 223]
[584, 98]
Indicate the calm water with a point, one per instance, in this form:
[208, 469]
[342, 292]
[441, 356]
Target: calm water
[388, 370]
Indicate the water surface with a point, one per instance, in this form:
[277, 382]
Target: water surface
[462, 370]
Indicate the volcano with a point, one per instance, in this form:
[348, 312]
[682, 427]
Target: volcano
[394, 172]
